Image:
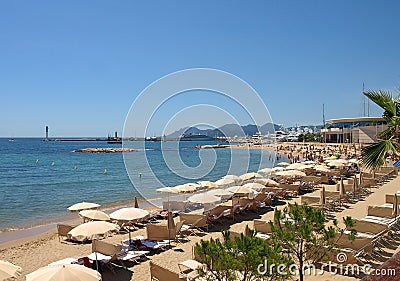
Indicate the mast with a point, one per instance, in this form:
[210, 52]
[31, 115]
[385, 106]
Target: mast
[363, 98]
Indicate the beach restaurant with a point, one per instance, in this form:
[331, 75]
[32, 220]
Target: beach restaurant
[353, 130]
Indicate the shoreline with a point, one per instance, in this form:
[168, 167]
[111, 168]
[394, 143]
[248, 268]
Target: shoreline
[26, 233]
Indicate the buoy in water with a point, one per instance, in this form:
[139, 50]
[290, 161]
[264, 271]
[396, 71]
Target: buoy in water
[52, 163]
[140, 175]
[37, 161]
[105, 171]
[75, 167]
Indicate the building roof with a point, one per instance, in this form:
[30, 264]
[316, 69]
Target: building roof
[355, 120]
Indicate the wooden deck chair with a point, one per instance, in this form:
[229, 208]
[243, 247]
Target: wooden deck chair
[192, 228]
[262, 226]
[379, 211]
[161, 273]
[159, 232]
[199, 219]
[113, 251]
[62, 231]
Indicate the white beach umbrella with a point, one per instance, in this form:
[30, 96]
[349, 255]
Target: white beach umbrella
[255, 186]
[291, 173]
[322, 169]
[95, 215]
[129, 214]
[82, 206]
[204, 198]
[225, 182]
[277, 169]
[249, 176]
[295, 166]
[187, 188]
[265, 171]
[167, 189]
[64, 272]
[207, 184]
[283, 164]
[241, 190]
[267, 182]
[91, 230]
[220, 192]
[8, 270]
[235, 178]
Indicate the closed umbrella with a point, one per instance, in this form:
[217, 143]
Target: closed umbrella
[322, 199]
[65, 272]
[342, 193]
[355, 186]
[136, 203]
[94, 215]
[395, 206]
[170, 225]
[82, 206]
[92, 230]
[204, 198]
[8, 270]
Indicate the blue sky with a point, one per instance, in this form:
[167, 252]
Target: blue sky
[77, 66]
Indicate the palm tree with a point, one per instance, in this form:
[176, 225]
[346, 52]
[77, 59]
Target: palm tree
[388, 141]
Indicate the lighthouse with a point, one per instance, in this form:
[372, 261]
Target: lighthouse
[47, 133]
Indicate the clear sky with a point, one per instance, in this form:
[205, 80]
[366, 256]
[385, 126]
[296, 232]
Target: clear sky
[77, 66]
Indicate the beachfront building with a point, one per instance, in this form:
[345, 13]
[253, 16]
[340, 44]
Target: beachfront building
[353, 130]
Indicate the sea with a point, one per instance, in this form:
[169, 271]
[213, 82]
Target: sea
[39, 180]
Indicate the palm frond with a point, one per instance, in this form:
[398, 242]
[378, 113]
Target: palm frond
[384, 100]
[375, 154]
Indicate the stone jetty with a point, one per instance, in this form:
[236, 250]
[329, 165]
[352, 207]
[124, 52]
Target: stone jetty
[105, 150]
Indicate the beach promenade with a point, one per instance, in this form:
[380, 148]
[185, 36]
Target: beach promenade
[37, 251]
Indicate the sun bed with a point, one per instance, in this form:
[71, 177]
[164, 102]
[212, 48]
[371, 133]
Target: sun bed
[140, 243]
[161, 273]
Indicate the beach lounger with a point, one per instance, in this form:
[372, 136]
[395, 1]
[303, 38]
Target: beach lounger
[159, 232]
[161, 273]
[189, 268]
[199, 221]
[262, 226]
[62, 231]
[175, 206]
[109, 254]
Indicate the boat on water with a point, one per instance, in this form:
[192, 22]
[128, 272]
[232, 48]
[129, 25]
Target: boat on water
[114, 140]
[154, 138]
[195, 137]
[12, 139]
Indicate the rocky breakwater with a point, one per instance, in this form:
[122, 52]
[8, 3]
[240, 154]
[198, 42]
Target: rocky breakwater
[105, 150]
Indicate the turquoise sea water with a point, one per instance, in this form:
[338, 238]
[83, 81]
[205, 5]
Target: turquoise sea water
[39, 180]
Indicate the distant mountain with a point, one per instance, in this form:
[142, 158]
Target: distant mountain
[229, 130]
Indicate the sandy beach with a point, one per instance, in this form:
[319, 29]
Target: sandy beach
[41, 249]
